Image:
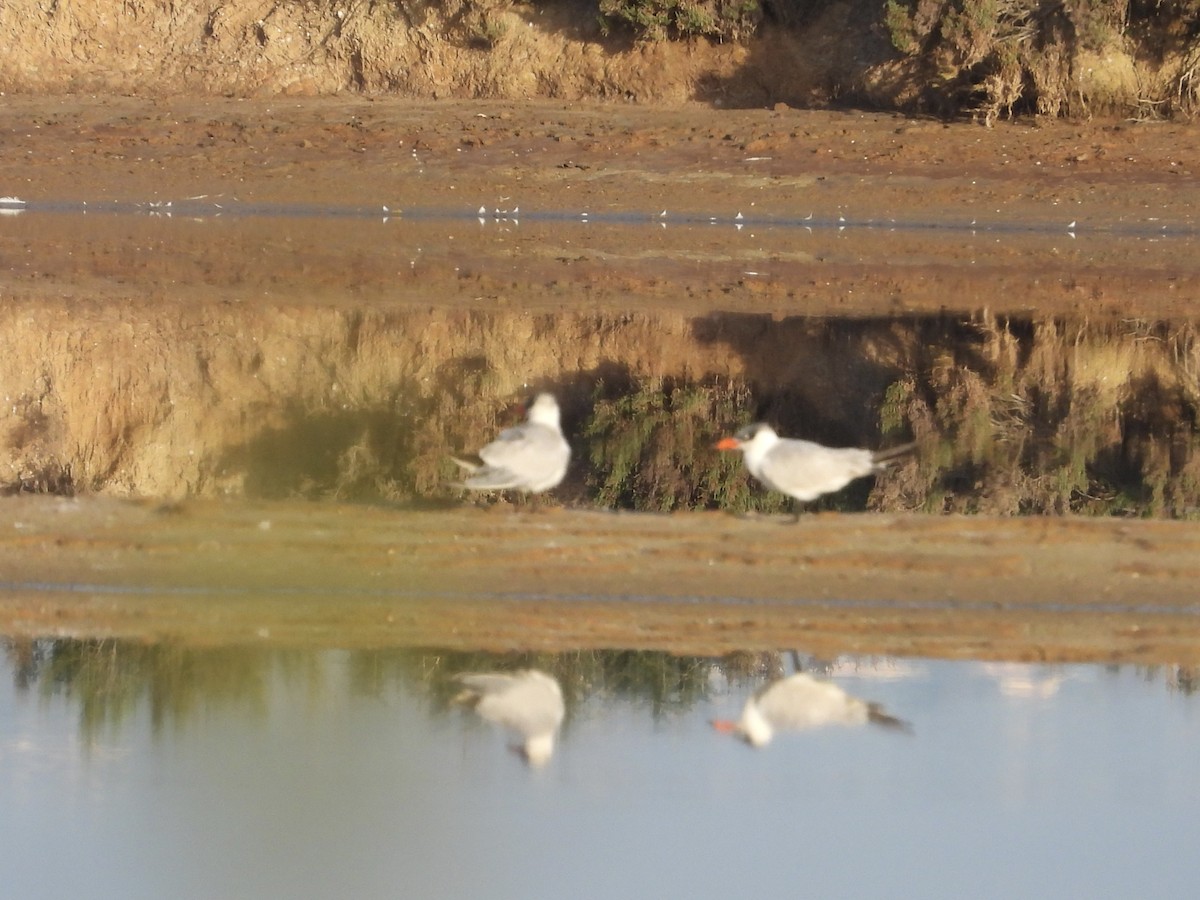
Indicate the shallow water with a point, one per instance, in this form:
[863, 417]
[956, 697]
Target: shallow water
[238, 772]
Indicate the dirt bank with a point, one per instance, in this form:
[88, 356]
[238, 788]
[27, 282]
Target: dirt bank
[984, 59]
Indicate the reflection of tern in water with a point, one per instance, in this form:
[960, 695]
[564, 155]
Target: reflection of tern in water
[531, 457]
[1025, 680]
[529, 703]
[802, 469]
[800, 702]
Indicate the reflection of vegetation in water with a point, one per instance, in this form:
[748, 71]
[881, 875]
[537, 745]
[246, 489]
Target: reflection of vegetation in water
[652, 447]
[1044, 417]
[1185, 679]
[1178, 679]
[111, 681]
[662, 681]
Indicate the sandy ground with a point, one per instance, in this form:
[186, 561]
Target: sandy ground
[700, 583]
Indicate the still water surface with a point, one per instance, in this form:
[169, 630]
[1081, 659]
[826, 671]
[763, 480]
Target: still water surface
[254, 773]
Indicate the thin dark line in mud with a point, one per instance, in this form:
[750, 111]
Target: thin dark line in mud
[208, 209]
[974, 606]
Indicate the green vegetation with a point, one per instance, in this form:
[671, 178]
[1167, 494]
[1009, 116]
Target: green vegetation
[480, 24]
[1000, 56]
[657, 20]
[651, 448]
[1012, 416]
[990, 58]
[1046, 417]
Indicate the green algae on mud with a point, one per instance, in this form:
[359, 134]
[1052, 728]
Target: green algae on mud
[696, 583]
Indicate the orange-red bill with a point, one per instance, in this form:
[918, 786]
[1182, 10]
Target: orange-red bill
[729, 443]
[723, 725]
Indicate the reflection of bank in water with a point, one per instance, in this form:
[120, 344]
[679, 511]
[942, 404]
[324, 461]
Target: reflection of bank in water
[114, 683]
[1011, 416]
[111, 682]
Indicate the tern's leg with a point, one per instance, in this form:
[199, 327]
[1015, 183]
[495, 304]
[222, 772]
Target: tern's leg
[797, 508]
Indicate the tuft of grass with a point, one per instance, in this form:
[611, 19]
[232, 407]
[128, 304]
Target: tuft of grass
[659, 20]
[1051, 419]
[652, 448]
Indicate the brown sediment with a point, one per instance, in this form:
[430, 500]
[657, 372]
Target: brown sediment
[706, 584]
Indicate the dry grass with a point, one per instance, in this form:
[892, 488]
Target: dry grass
[1056, 418]
[999, 57]
[1012, 416]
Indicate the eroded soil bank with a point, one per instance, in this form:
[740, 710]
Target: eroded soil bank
[985, 59]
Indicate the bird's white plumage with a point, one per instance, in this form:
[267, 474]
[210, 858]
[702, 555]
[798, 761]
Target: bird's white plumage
[528, 703]
[530, 457]
[801, 469]
[801, 702]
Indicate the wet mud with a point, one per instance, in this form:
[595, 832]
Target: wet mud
[694, 583]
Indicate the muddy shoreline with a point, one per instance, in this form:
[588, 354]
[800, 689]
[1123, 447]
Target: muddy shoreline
[696, 583]
[1041, 217]
[600, 157]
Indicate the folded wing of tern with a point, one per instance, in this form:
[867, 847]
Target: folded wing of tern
[531, 457]
[805, 470]
[488, 478]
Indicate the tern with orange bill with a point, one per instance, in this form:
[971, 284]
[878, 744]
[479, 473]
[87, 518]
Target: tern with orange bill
[802, 469]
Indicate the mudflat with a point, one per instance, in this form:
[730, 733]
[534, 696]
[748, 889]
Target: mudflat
[1067, 181]
[554, 580]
